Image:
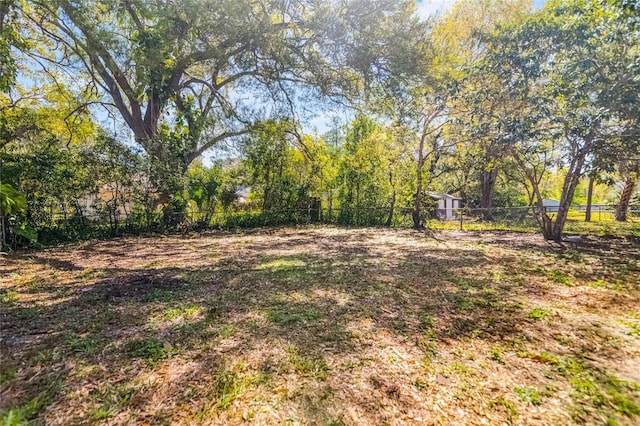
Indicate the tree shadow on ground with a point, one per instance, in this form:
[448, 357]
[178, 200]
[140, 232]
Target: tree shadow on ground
[97, 324]
[127, 322]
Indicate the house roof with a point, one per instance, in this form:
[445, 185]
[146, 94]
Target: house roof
[441, 195]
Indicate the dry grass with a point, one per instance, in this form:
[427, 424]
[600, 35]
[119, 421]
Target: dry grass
[603, 224]
[322, 326]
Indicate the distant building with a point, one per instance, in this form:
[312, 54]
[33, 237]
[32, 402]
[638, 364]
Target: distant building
[111, 195]
[447, 205]
[242, 194]
[550, 205]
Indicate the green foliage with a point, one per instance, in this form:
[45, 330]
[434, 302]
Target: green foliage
[280, 175]
[20, 415]
[9, 297]
[203, 187]
[172, 76]
[69, 171]
[540, 313]
[11, 201]
[566, 64]
[151, 349]
[307, 366]
[227, 388]
[434, 111]
[528, 394]
[10, 38]
[560, 278]
[496, 354]
[367, 173]
[27, 233]
[12, 205]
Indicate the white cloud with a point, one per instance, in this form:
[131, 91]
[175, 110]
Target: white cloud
[428, 8]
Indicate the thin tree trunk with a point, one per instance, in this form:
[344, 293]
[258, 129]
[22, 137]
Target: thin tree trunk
[570, 183]
[587, 215]
[625, 199]
[530, 195]
[79, 212]
[545, 222]
[267, 191]
[115, 209]
[417, 198]
[3, 238]
[393, 200]
[357, 221]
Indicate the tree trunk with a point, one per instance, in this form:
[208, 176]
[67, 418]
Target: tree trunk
[357, 218]
[571, 181]
[3, 237]
[267, 191]
[587, 215]
[417, 198]
[487, 188]
[546, 224]
[115, 209]
[79, 212]
[552, 229]
[393, 201]
[625, 198]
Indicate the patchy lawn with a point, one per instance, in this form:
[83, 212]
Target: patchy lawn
[322, 326]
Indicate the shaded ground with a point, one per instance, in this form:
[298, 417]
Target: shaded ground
[323, 326]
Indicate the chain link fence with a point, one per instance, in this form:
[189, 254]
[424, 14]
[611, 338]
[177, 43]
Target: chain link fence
[57, 228]
[523, 218]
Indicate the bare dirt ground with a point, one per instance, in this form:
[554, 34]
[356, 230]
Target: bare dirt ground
[324, 326]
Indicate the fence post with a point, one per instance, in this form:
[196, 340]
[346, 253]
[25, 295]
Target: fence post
[461, 214]
[3, 239]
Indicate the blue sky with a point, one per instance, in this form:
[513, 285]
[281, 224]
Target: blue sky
[430, 7]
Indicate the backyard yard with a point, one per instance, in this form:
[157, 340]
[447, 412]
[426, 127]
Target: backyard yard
[322, 325]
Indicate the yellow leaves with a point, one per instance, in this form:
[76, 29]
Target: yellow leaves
[455, 29]
[276, 18]
[370, 152]
[52, 110]
[169, 63]
[296, 155]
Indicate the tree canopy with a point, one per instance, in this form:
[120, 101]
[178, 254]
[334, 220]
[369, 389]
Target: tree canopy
[492, 100]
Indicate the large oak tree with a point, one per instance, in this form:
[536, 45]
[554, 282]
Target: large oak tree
[177, 72]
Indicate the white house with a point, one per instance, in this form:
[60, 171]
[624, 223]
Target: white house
[447, 205]
[550, 205]
[242, 194]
